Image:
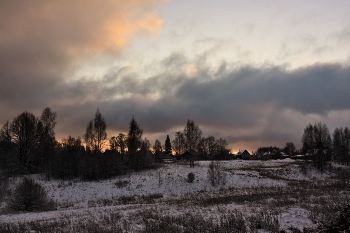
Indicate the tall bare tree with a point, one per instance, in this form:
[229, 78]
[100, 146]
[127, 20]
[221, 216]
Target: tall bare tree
[193, 136]
[317, 139]
[179, 143]
[96, 135]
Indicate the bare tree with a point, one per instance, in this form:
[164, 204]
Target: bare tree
[6, 160]
[341, 144]
[317, 139]
[179, 143]
[290, 148]
[26, 131]
[121, 142]
[5, 134]
[192, 135]
[100, 130]
[157, 147]
[89, 137]
[96, 135]
[113, 145]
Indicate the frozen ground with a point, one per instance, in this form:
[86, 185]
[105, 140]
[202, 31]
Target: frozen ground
[167, 190]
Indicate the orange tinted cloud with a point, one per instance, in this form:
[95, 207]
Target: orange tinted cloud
[118, 31]
[78, 26]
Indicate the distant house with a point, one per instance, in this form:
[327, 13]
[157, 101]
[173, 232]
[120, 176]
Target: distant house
[242, 153]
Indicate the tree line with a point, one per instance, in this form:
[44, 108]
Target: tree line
[318, 145]
[28, 145]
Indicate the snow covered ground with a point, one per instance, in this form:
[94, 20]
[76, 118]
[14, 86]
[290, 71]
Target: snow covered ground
[163, 187]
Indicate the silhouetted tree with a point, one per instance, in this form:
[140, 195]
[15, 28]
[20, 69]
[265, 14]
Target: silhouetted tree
[157, 148]
[122, 143]
[95, 134]
[113, 145]
[317, 140]
[69, 163]
[5, 134]
[6, 148]
[134, 142]
[289, 148]
[100, 130]
[89, 136]
[341, 145]
[221, 150]
[118, 144]
[179, 143]
[192, 135]
[167, 145]
[145, 146]
[134, 138]
[308, 139]
[48, 119]
[26, 130]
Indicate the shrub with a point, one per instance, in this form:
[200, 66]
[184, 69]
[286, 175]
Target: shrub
[336, 217]
[3, 185]
[215, 174]
[190, 177]
[30, 196]
[264, 220]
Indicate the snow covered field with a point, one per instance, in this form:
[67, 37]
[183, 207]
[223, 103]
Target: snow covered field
[272, 188]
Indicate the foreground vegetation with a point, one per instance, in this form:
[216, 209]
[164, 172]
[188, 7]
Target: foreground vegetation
[324, 202]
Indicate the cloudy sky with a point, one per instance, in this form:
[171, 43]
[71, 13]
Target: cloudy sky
[253, 72]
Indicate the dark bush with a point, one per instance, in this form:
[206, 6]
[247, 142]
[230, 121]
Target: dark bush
[3, 185]
[336, 217]
[190, 177]
[30, 196]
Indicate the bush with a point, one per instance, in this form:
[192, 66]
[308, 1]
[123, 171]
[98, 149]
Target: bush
[3, 185]
[215, 174]
[336, 217]
[190, 177]
[30, 196]
[264, 220]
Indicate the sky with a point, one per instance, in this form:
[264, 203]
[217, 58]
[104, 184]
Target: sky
[252, 72]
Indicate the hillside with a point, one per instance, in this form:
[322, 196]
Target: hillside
[264, 196]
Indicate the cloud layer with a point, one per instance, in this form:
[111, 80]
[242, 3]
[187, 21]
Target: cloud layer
[42, 44]
[256, 105]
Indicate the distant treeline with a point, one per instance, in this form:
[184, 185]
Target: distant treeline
[28, 145]
[317, 146]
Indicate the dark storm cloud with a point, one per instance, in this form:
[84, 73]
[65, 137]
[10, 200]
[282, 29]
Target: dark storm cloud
[232, 99]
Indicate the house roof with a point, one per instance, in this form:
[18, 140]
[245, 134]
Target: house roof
[241, 151]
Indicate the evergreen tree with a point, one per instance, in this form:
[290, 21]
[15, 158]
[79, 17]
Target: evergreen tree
[167, 145]
[134, 143]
